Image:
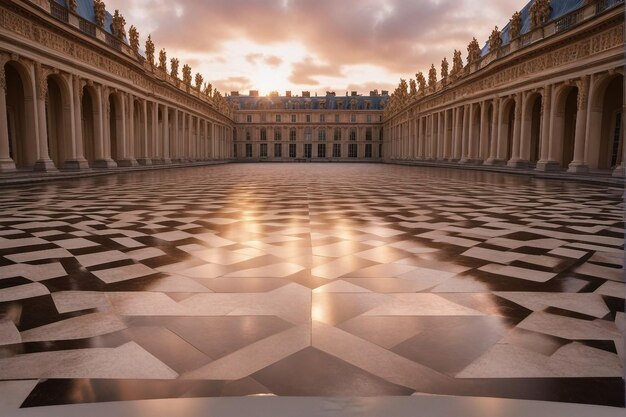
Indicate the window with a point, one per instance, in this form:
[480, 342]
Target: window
[308, 118]
[336, 118]
[322, 118]
[263, 150]
[353, 118]
[337, 134]
[308, 150]
[336, 150]
[278, 135]
[380, 135]
[292, 150]
[352, 150]
[369, 118]
[263, 134]
[248, 134]
[293, 118]
[368, 150]
[380, 150]
[249, 118]
[368, 133]
[321, 150]
[353, 134]
[278, 118]
[248, 150]
[234, 150]
[321, 135]
[278, 150]
[308, 134]
[292, 134]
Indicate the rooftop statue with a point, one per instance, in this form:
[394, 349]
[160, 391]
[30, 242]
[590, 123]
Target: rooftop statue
[495, 42]
[174, 63]
[515, 25]
[71, 4]
[473, 51]
[118, 25]
[100, 12]
[187, 74]
[133, 38]
[413, 87]
[150, 51]
[457, 62]
[444, 68]
[163, 60]
[421, 81]
[199, 79]
[432, 76]
[539, 13]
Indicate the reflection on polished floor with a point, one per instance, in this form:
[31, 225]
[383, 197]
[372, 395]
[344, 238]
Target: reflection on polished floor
[311, 280]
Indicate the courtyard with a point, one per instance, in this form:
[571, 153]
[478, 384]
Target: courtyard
[340, 280]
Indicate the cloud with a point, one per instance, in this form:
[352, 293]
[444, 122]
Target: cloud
[304, 72]
[273, 61]
[234, 84]
[253, 58]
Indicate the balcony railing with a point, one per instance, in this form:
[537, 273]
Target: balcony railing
[568, 21]
[87, 27]
[59, 12]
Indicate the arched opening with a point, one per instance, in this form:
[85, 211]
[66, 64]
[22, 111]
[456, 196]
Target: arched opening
[58, 120]
[20, 116]
[474, 146]
[605, 144]
[139, 133]
[151, 139]
[531, 131]
[486, 145]
[89, 117]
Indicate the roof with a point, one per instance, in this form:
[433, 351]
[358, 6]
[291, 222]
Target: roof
[559, 9]
[84, 8]
[255, 103]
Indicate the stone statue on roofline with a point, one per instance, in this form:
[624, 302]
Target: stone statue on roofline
[198, 80]
[515, 25]
[187, 74]
[444, 68]
[495, 41]
[540, 13]
[118, 25]
[457, 63]
[174, 63]
[473, 52]
[413, 88]
[421, 82]
[100, 12]
[150, 51]
[163, 60]
[432, 76]
[133, 39]
[72, 5]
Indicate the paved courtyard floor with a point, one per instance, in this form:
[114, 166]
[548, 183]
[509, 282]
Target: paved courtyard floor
[311, 280]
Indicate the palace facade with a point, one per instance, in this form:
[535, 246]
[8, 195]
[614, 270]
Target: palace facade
[288, 128]
[546, 92]
[78, 94]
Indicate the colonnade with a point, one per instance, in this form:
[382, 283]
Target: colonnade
[576, 125]
[50, 119]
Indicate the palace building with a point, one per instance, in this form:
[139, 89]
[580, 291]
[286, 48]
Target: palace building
[291, 128]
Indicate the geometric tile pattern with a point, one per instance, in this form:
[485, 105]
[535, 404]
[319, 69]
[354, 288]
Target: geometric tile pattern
[311, 279]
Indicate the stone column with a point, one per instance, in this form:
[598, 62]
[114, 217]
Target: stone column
[483, 149]
[155, 140]
[465, 135]
[458, 135]
[495, 129]
[579, 165]
[544, 163]
[167, 156]
[515, 160]
[174, 151]
[144, 158]
[6, 162]
[44, 163]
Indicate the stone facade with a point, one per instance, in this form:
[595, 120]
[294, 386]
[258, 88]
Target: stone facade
[76, 96]
[329, 128]
[549, 99]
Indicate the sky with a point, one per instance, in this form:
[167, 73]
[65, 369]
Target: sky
[313, 45]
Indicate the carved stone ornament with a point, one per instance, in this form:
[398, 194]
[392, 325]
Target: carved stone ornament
[199, 79]
[432, 76]
[118, 25]
[421, 81]
[515, 25]
[444, 68]
[457, 62]
[495, 41]
[187, 74]
[150, 51]
[163, 60]
[473, 51]
[71, 4]
[100, 12]
[133, 38]
[540, 13]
